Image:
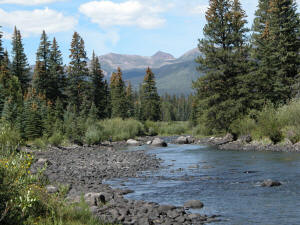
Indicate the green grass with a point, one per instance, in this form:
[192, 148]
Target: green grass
[168, 128]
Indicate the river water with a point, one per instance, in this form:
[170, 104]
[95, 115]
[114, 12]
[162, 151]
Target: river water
[227, 182]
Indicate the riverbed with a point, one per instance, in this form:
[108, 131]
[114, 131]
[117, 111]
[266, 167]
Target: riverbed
[227, 182]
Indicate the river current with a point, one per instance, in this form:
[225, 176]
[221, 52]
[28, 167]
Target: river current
[227, 182]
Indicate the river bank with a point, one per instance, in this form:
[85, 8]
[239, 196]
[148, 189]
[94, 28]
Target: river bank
[84, 170]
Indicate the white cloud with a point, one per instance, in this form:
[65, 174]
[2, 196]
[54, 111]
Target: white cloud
[200, 9]
[28, 2]
[128, 13]
[34, 22]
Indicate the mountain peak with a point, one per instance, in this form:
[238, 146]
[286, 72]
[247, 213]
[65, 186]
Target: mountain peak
[162, 56]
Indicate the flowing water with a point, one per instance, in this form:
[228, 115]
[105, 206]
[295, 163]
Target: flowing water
[227, 182]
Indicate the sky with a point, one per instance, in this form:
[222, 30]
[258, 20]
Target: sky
[140, 27]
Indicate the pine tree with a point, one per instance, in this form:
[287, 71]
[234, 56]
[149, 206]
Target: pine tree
[20, 67]
[56, 74]
[78, 72]
[118, 96]
[130, 100]
[150, 100]
[224, 60]
[98, 87]
[41, 78]
[276, 46]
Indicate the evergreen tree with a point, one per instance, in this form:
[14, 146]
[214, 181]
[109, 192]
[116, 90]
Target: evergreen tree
[41, 79]
[20, 67]
[78, 72]
[150, 100]
[276, 51]
[130, 100]
[224, 60]
[118, 97]
[56, 74]
[107, 100]
[98, 87]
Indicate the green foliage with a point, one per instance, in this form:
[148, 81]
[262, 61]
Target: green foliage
[118, 95]
[78, 72]
[10, 139]
[150, 100]
[244, 126]
[225, 61]
[56, 139]
[20, 67]
[118, 129]
[94, 134]
[167, 128]
[24, 200]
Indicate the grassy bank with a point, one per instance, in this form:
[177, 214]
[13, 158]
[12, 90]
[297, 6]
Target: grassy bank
[272, 124]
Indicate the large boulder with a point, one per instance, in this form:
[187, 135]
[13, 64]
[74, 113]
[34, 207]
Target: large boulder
[182, 140]
[193, 204]
[51, 189]
[133, 142]
[270, 183]
[245, 139]
[158, 142]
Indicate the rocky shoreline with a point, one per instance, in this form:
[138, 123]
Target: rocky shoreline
[84, 169]
[246, 143]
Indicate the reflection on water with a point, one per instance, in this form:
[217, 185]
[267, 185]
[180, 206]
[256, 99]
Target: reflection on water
[225, 181]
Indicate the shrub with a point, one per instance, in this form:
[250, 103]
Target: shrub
[10, 139]
[292, 133]
[119, 129]
[56, 139]
[39, 143]
[244, 126]
[167, 128]
[94, 134]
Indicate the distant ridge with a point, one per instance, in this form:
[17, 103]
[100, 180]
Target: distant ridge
[173, 75]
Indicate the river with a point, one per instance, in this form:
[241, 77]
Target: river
[227, 182]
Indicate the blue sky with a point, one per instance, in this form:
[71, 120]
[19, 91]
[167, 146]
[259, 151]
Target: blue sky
[121, 26]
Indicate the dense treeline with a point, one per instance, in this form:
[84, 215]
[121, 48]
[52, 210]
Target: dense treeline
[65, 100]
[244, 73]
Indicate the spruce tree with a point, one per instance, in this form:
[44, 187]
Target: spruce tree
[41, 78]
[118, 96]
[224, 60]
[130, 100]
[275, 51]
[56, 74]
[20, 67]
[77, 72]
[150, 100]
[98, 87]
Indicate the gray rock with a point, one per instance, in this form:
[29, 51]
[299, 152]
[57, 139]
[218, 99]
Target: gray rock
[133, 142]
[94, 209]
[149, 142]
[245, 139]
[270, 183]
[51, 189]
[182, 140]
[193, 204]
[42, 161]
[165, 208]
[190, 139]
[94, 199]
[194, 166]
[158, 142]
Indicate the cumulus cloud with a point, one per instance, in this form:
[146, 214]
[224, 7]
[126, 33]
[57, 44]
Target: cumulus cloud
[129, 13]
[28, 2]
[33, 22]
[200, 9]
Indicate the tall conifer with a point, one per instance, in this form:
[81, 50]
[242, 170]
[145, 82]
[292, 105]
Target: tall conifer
[118, 97]
[20, 66]
[150, 100]
[77, 72]
[98, 87]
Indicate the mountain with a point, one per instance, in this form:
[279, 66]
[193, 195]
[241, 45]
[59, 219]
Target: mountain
[173, 75]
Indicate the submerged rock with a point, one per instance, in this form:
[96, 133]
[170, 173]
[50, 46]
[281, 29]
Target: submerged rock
[193, 204]
[158, 142]
[270, 183]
